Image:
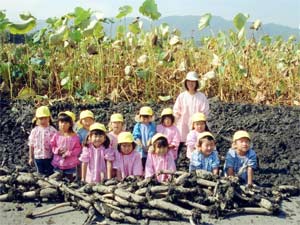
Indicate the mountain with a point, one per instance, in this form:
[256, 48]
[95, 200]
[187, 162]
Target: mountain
[188, 26]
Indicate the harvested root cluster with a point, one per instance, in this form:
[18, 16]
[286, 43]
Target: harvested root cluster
[186, 197]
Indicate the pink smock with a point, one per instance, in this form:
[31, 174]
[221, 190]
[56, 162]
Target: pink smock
[191, 142]
[155, 163]
[130, 164]
[173, 136]
[185, 106]
[96, 162]
[39, 140]
[73, 146]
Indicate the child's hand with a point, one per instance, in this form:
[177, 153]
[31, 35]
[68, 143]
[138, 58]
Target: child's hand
[62, 151]
[139, 143]
[171, 146]
[30, 162]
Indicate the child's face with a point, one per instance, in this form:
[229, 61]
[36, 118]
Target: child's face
[206, 147]
[97, 139]
[199, 126]
[160, 150]
[87, 122]
[126, 148]
[145, 119]
[64, 126]
[117, 127]
[43, 121]
[242, 145]
[191, 85]
[167, 122]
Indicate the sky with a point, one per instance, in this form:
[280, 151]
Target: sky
[283, 12]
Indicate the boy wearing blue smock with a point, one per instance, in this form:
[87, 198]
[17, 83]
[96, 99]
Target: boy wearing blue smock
[205, 157]
[143, 131]
[241, 159]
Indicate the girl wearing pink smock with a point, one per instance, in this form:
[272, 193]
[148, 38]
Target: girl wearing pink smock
[159, 158]
[167, 128]
[66, 146]
[198, 126]
[128, 161]
[116, 126]
[96, 157]
[189, 102]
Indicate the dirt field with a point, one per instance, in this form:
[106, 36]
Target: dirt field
[275, 132]
[12, 214]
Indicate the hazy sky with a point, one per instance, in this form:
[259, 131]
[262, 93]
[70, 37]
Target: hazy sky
[284, 12]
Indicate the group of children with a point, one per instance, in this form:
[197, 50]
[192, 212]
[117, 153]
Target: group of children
[86, 148]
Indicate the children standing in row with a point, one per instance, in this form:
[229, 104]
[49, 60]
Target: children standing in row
[98, 158]
[40, 152]
[66, 146]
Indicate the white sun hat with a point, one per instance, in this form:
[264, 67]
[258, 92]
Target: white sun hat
[192, 76]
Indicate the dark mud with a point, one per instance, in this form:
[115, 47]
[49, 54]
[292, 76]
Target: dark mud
[275, 132]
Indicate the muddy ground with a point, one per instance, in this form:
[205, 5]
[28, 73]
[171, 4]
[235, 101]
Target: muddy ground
[275, 132]
[12, 214]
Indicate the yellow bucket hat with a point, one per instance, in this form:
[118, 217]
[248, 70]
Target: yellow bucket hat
[97, 126]
[146, 110]
[70, 114]
[204, 134]
[116, 117]
[156, 137]
[86, 114]
[125, 137]
[198, 117]
[167, 111]
[42, 111]
[241, 134]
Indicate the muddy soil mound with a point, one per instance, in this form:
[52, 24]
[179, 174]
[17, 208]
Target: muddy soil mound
[275, 132]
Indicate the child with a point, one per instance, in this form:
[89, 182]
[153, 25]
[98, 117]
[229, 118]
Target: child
[198, 126]
[188, 103]
[205, 157]
[86, 119]
[143, 131]
[96, 156]
[168, 129]
[66, 146]
[117, 126]
[128, 161]
[241, 158]
[159, 158]
[40, 152]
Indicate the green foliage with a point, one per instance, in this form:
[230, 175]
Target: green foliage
[59, 36]
[3, 21]
[149, 9]
[134, 27]
[82, 17]
[240, 20]
[147, 65]
[22, 28]
[124, 11]
[204, 21]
